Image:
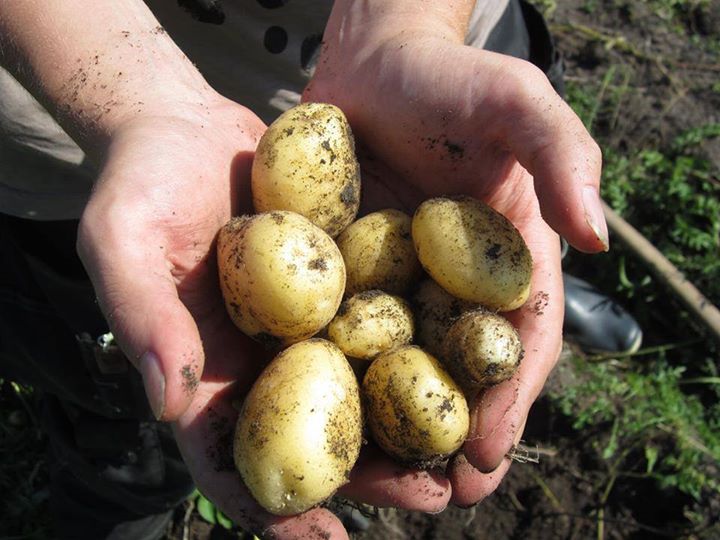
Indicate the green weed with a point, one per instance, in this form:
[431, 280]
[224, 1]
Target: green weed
[209, 512]
[673, 197]
[644, 411]
[213, 515]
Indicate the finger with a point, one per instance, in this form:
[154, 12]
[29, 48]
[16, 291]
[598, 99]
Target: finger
[469, 485]
[551, 142]
[379, 481]
[139, 298]
[499, 413]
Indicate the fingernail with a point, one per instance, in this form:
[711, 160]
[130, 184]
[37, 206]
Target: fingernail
[594, 215]
[154, 383]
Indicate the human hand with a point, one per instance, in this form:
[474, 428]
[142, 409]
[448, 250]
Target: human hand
[147, 237]
[437, 117]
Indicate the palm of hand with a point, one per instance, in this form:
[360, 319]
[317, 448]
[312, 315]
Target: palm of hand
[147, 239]
[463, 122]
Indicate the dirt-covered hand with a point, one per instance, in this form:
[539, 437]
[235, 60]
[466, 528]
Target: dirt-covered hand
[147, 239]
[437, 117]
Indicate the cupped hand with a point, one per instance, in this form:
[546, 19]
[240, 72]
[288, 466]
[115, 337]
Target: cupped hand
[147, 238]
[435, 117]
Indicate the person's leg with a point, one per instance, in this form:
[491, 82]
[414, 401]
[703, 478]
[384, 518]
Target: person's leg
[115, 472]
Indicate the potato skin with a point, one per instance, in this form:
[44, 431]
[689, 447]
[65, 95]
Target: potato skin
[282, 278]
[379, 253]
[300, 428]
[435, 310]
[305, 162]
[371, 322]
[481, 349]
[414, 410]
[473, 252]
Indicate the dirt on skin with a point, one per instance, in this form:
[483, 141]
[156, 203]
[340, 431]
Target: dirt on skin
[670, 82]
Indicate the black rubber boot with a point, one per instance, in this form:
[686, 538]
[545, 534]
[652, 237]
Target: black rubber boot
[596, 322]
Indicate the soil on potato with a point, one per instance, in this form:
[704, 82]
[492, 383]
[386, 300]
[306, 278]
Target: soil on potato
[672, 86]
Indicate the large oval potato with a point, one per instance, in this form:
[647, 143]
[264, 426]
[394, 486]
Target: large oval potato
[282, 277]
[473, 252]
[481, 349]
[371, 322]
[415, 411]
[435, 310]
[305, 162]
[300, 428]
[379, 253]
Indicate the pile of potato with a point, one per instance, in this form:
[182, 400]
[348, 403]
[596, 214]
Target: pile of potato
[406, 307]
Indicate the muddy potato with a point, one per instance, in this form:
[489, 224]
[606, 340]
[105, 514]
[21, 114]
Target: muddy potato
[299, 431]
[435, 310]
[282, 278]
[379, 253]
[473, 252]
[481, 349]
[371, 322]
[414, 410]
[305, 162]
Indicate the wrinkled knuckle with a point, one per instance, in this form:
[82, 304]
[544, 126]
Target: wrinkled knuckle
[530, 80]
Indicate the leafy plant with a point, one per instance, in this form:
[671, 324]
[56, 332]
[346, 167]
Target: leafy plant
[673, 197]
[209, 512]
[645, 411]
[213, 515]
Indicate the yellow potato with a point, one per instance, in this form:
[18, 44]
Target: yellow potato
[300, 428]
[370, 323]
[282, 277]
[305, 162]
[415, 411]
[481, 349]
[473, 252]
[379, 253]
[435, 310]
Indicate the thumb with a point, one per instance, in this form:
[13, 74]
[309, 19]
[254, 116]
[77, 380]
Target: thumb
[139, 298]
[551, 142]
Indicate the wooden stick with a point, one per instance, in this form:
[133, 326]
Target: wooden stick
[666, 272]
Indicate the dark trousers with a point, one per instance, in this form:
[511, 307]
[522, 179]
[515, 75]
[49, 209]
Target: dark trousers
[110, 462]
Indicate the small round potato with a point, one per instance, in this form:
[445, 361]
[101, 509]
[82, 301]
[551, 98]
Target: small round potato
[481, 349]
[282, 277]
[415, 411]
[300, 428]
[473, 252]
[305, 162]
[371, 322]
[379, 253]
[435, 310]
